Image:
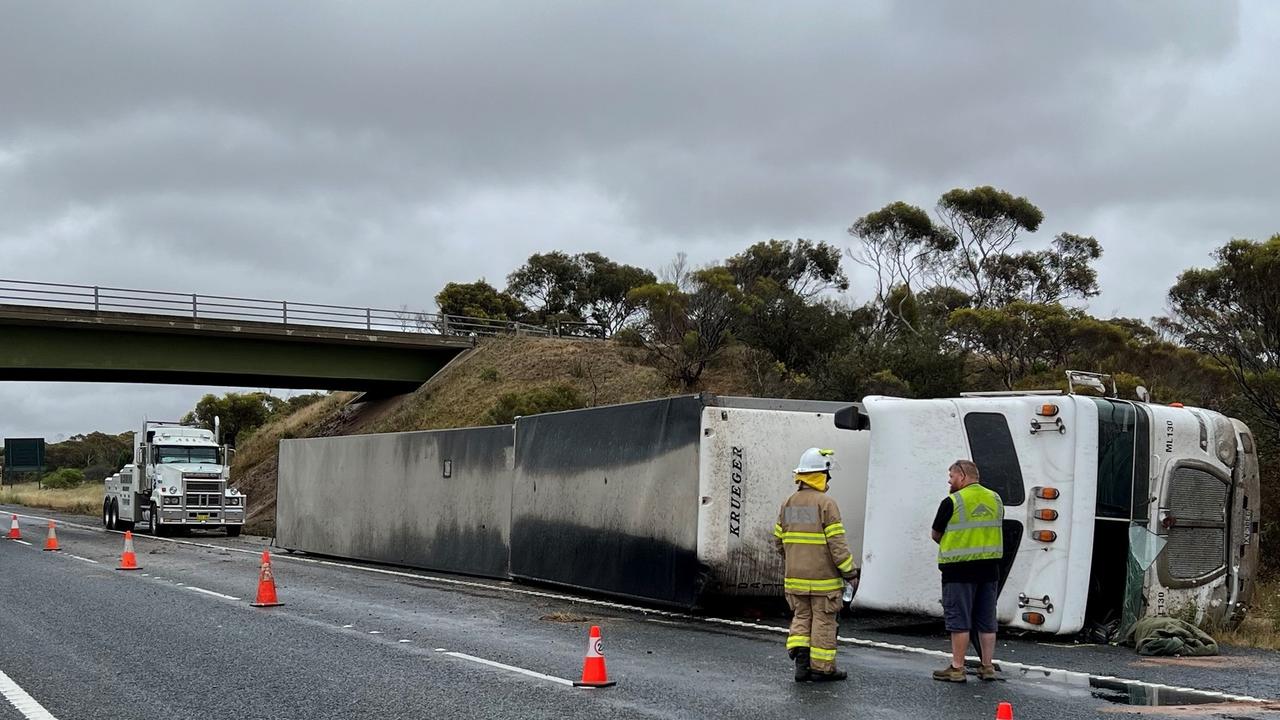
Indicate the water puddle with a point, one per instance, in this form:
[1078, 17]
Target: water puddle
[1129, 692]
[1125, 693]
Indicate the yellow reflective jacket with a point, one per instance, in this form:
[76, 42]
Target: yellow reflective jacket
[811, 537]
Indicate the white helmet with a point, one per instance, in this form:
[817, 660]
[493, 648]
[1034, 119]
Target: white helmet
[815, 460]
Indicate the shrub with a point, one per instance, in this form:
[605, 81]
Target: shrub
[531, 402]
[64, 479]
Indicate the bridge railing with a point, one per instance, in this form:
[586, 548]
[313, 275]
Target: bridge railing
[224, 307]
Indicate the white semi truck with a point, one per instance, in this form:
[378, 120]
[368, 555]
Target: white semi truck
[179, 478]
[1114, 509]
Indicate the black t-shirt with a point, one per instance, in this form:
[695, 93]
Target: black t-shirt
[969, 570]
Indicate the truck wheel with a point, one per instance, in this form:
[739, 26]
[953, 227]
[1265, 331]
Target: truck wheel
[154, 526]
[233, 531]
[106, 515]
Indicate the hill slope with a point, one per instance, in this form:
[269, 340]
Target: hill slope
[462, 395]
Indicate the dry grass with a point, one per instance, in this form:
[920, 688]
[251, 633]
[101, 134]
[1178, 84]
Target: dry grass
[1261, 627]
[603, 373]
[83, 500]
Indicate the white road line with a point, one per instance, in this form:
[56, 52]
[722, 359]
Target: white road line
[24, 542]
[510, 668]
[95, 562]
[21, 701]
[512, 589]
[210, 592]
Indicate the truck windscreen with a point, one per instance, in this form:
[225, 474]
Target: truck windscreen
[170, 454]
[1117, 442]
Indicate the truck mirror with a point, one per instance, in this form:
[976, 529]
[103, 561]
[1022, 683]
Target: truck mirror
[852, 418]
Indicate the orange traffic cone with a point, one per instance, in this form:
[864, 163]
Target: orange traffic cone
[1004, 711]
[593, 671]
[15, 533]
[51, 540]
[266, 584]
[128, 560]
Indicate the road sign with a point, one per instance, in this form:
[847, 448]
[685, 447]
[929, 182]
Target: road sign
[23, 455]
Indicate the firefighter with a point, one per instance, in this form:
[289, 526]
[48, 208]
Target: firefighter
[811, 538]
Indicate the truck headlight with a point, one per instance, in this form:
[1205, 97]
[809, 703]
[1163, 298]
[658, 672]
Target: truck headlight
[233, 501]
[171, 500]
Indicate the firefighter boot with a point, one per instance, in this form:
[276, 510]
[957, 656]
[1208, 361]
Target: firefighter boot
[833, 676]
[801, 656]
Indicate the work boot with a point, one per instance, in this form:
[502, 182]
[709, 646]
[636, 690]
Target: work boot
[987, 672]
[833, 676]
[950, 674]
[801, 656]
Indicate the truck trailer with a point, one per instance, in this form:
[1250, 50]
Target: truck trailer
[179, 478]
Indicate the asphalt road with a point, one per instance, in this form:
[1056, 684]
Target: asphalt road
[179, 639]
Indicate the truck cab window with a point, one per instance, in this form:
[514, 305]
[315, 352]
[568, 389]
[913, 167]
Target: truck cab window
[188, 455]
[991, 444]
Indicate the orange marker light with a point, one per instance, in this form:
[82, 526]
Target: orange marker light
[1047, 536]
[1047, 514]
[1033, 618]
[1175, 405]
[1047, 493]
[1048, 410]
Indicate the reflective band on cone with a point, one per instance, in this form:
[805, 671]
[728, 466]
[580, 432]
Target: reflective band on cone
[15, 533]
[593, 670]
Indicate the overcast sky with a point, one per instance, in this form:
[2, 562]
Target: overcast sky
[366, 153]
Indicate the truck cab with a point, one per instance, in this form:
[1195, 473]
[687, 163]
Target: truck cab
[1114, 510]
[180, 477]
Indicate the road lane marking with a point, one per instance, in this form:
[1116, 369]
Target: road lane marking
[95, 562]
[24, 542]
[210, 592]
[509, 588]
[510, 668]
[21, 701]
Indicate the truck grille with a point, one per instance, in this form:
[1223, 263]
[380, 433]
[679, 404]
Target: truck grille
[204, 486]
[1197, 496]
[1198, 539]
[204, 499]
[1195, 552]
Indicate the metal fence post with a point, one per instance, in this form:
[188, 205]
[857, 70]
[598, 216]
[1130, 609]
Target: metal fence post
[284, 311]
[368, 319]
[95, 298]
[195, 307]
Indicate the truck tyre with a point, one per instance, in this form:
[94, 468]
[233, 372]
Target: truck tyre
[106, 515]
[154, 527]
[233, 531]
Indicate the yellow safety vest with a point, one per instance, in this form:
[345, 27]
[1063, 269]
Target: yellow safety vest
[975, 529]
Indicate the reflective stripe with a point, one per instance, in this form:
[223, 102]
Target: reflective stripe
[803, 541]
[822, 654]
[979, 553]
[975, 524]
[795, 641]
[847, 565]
[803, 538]
[777, 530]
[833, 529]
[807, 585]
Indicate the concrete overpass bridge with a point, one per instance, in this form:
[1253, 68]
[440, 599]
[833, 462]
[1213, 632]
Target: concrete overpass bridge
[81, 333]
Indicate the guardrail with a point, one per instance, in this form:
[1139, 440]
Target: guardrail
[222, 307]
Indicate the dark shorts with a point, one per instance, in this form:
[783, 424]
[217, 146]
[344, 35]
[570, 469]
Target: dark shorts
[970, 606]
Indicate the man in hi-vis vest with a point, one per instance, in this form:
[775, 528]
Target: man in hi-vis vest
[969, 531]
[811, 538]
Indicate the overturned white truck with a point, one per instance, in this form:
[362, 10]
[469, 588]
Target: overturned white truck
[1115, 510]
[1112, 505]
